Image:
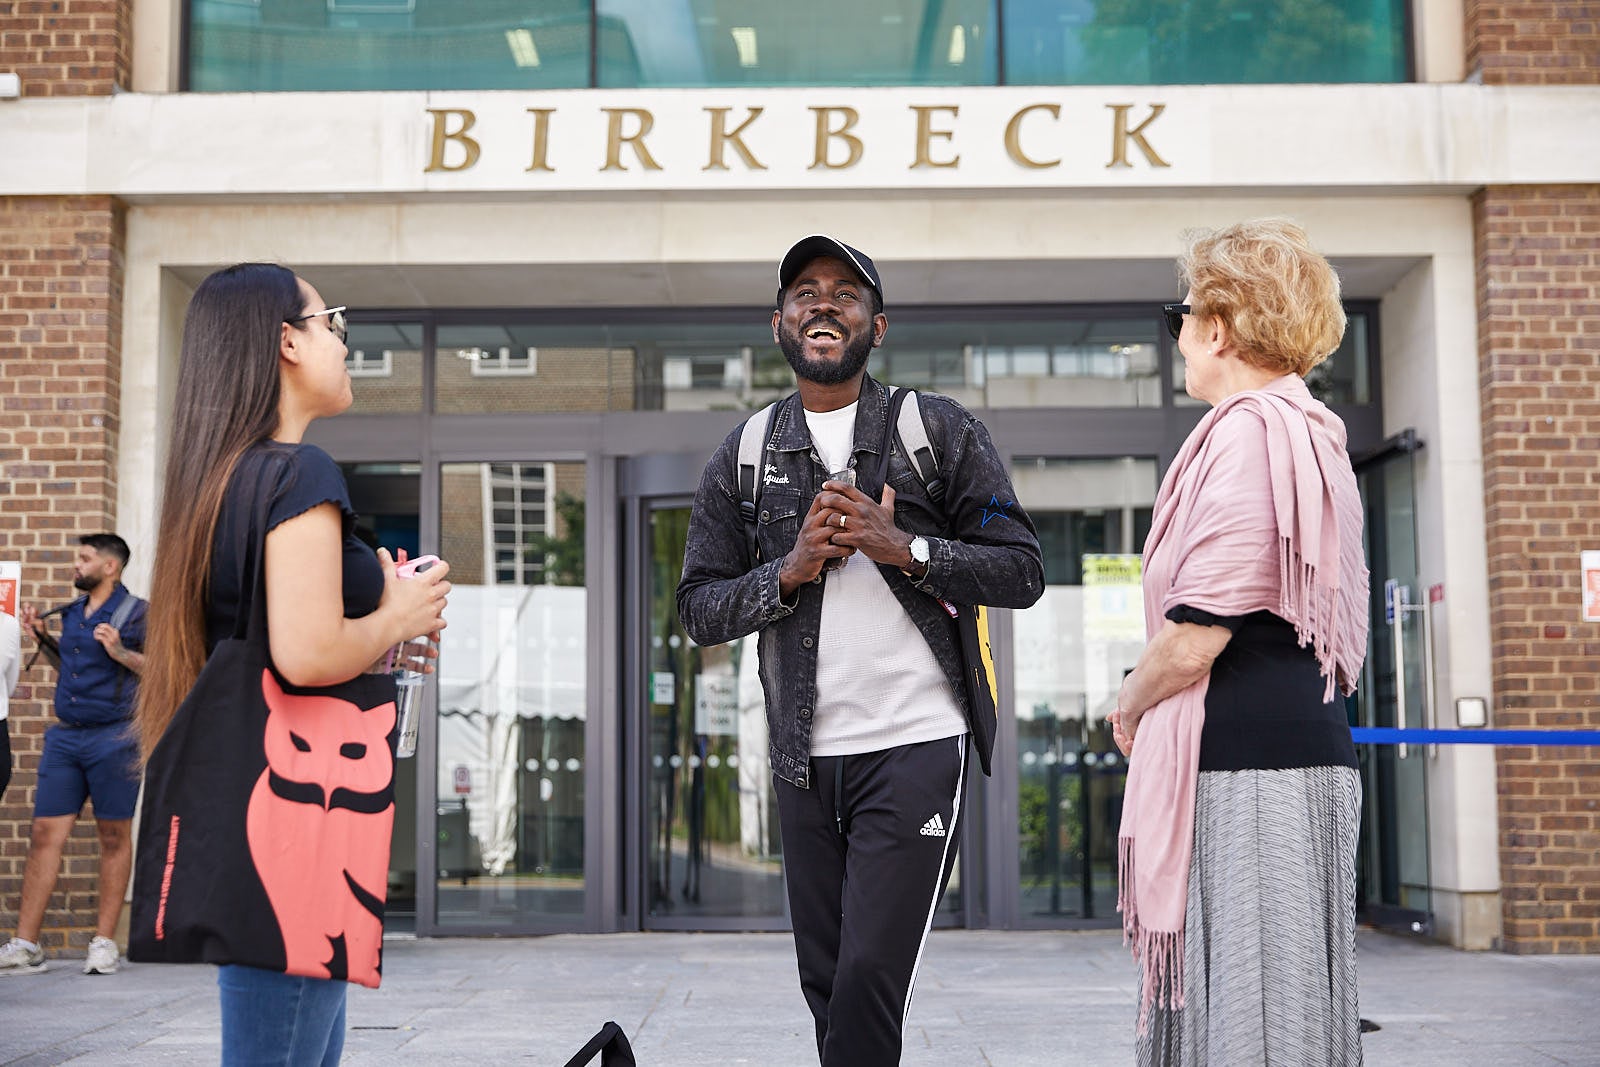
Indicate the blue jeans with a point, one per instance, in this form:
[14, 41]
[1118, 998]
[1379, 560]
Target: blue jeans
[279, 1020]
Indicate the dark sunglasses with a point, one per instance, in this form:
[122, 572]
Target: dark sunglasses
[1174, 314]
[336, 324]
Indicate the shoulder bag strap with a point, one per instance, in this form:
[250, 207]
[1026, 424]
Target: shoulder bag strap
[919, 450]
[897, 404]
[124, 611]
[752, 458]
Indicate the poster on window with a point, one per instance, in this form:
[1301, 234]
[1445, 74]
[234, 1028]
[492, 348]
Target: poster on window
[716, 705]
[1113, 603]
[1590, 563]
[10, 578]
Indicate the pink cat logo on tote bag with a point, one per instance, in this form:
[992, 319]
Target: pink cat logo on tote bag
[328, 776]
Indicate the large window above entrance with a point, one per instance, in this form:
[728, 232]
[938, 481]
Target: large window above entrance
[1110, 358]
[267, 45]
[722, 360]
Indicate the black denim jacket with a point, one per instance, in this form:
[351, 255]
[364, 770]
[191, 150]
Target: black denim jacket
[986, 554]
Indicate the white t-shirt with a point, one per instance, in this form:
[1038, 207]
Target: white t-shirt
[878, 685]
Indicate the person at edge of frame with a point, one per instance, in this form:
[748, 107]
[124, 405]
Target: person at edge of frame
[859, 664]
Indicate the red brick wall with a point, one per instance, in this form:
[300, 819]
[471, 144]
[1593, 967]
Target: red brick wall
[1538, 256]
[66, 47]
[1533, 42]
[61, 269]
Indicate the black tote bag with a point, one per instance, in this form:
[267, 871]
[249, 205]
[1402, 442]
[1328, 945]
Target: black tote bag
[267, 814]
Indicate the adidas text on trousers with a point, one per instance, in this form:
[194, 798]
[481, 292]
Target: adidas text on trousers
[867, 853]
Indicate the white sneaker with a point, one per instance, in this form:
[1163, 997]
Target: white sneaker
[102, 957]
[17, 958]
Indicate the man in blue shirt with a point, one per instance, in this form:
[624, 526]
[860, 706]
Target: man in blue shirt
[89, 753]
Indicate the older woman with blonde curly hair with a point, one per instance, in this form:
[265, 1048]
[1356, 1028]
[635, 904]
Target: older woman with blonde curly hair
[1238, 843]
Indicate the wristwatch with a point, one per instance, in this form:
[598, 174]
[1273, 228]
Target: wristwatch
[920, 555]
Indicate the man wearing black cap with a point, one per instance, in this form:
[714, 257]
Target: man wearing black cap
[847, 585]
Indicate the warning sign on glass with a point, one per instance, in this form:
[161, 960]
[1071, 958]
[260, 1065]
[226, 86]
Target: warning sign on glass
[1590, 562]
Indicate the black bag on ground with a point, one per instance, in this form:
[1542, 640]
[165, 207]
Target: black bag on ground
[612, 1045]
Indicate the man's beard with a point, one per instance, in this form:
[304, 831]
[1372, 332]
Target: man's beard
[822, 371]
[83, 583]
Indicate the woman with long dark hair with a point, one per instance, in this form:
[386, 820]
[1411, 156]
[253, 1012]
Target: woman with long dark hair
[262, 357]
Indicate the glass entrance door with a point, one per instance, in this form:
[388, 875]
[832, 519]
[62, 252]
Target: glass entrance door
[1394, 883]
[1070, 651]
[386, 497]
[512, 699]
[712, 852]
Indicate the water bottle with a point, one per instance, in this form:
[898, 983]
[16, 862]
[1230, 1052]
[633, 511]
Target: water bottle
[403, 659]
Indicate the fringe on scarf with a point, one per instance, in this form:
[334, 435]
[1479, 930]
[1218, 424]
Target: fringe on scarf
[1313, 609]
[1159, 953]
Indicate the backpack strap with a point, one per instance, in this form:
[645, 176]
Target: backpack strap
[119, 618]
[913, 436]
[124, 611]
[753, 440]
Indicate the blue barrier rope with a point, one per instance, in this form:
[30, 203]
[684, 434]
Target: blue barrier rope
[1388, 735]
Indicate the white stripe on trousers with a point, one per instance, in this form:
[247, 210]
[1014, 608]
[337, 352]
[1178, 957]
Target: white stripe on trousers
[939, 879]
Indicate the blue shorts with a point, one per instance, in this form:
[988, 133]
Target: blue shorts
[79, 762]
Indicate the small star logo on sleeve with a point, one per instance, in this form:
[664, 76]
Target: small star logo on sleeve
[995, 510]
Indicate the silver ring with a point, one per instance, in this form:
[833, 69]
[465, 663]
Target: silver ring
[842, 518]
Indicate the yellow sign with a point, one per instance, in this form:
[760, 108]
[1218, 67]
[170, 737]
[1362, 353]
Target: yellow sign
[1113, 603]
[1112, 569]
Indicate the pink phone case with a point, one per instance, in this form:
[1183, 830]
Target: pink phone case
[412, 567]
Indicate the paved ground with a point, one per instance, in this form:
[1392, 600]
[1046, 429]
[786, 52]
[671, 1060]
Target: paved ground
[705, 1000]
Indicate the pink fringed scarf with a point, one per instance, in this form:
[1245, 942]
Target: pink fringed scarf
[1215, 545]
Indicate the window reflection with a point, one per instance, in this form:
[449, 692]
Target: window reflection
[1014, 363]
[237, 45]
[713, 848]
[1343, 378]
[512, 695]
[267, 45]
[826, 42]
[385, 364]
[1179, 42]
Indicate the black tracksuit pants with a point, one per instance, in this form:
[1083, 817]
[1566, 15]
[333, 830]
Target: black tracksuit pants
[867, 853]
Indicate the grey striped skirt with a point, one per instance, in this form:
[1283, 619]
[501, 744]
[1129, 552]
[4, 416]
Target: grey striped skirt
[1269, 968]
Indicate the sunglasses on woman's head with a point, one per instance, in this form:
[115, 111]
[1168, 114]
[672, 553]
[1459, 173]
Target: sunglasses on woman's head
[1174, 314]
[336, 324]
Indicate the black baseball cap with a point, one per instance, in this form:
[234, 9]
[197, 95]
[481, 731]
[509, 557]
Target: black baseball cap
[808, 248]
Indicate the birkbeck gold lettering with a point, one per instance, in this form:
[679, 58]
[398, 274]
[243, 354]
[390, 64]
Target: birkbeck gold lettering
[615, 138]
[836, 144]
[1121, 135]
[926, 133]
[827, 132]
[541, 139]
[722, 137]
[1014, 137]
[442, 136]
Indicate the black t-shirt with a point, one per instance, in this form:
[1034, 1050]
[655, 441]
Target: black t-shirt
[1264, 708]
[293, 479]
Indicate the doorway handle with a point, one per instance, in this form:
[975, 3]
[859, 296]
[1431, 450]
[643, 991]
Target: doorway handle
[1397, 606]
[1397, 595]
[1426, 607]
